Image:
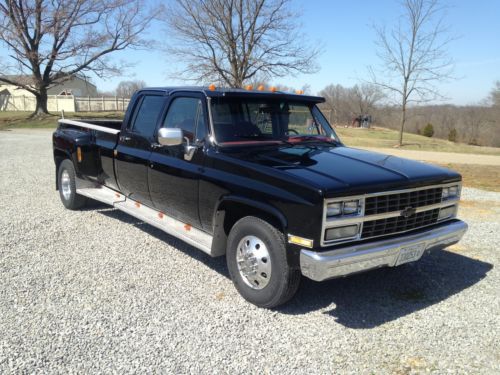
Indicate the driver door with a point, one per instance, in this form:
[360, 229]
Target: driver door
[173, 179]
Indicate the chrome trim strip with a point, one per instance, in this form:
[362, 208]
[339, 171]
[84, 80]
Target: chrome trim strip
[344, 261]
[329, 223]
[89, 126]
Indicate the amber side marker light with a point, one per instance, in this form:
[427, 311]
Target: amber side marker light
[300, 241]
[211, 87]
[79, 154]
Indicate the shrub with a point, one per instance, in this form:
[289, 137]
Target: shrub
[428, 131]
[452, 135]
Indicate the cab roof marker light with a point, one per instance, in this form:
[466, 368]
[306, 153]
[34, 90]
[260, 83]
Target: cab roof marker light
[249, 87]
[273, 89]
[211, 87]
[261, 88]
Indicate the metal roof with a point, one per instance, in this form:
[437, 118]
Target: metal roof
[235, 92]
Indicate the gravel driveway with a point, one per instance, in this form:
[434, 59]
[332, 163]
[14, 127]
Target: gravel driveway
[98, 291]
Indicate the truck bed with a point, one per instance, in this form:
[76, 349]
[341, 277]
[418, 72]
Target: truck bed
[105, 125]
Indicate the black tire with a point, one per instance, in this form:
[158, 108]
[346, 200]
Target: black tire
[283, 282]
[71, 200]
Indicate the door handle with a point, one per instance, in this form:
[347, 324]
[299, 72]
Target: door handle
[125, 138]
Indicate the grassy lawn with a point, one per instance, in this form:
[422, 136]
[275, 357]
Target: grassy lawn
[356, 137]
[484, 177]
[23, 120]
[386, 138]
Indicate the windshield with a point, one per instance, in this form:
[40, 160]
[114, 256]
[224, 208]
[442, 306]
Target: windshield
[250, 120]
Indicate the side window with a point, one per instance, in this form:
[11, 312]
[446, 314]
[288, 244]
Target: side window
[145, 118]
[187, 114]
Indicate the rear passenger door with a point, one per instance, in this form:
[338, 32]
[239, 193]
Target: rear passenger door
[174, 180]
[134, 147]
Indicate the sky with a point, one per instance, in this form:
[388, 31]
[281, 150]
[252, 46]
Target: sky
[344, 29]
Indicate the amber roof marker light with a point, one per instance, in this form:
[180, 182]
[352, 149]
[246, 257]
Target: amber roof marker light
[273, 89]
[261, 88]
[211, 87]
[299, 92]
[249, 87]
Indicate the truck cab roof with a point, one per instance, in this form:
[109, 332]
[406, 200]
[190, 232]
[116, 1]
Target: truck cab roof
[234, 92]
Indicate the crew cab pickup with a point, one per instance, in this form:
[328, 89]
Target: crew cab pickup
[262, 178]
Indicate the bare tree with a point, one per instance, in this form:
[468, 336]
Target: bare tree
[50, 41]
[365, 96]
[413, 56]
[495, 94]
[475, 120]
[336, 103]
[126, 89]
[232, 41]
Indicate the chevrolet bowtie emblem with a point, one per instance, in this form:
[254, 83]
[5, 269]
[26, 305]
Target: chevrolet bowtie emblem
[408, 212]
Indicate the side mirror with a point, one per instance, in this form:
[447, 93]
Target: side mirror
[170, 136]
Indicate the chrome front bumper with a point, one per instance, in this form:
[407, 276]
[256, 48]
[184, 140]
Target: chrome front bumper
[343, 261]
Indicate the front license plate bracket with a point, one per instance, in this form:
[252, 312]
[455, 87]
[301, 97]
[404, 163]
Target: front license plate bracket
[411, 253]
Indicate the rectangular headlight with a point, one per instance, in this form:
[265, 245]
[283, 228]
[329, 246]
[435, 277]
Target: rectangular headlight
[338, 233]
[351, 207]
[334, 209]
[447, 212]
[451, 192]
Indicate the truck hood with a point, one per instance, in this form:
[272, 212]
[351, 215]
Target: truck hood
[337, 169]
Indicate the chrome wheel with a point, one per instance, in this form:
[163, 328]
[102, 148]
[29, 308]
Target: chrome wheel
[254, 262]
[65, 184]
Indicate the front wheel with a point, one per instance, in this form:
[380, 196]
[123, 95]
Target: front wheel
[256, 259]
[67, 186]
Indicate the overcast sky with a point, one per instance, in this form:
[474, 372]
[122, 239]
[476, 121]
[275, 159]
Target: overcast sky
[345, 30]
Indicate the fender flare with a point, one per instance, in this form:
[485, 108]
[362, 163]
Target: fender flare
[220, 235]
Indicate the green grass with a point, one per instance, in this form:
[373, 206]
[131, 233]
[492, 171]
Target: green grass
[356, 137]
[22, 119]
[387, 138]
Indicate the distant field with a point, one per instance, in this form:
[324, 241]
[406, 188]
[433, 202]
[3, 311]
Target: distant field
[356, 137]
[484, 177]
[22, 120]
[386, 138]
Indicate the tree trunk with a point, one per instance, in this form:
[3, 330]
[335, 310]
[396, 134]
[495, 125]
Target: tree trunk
[41, 102]
[402, 125]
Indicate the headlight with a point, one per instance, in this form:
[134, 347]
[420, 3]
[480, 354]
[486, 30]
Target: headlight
[334, 209]
[352, 207]
[451, 192]
[447, 212]
[338, 233]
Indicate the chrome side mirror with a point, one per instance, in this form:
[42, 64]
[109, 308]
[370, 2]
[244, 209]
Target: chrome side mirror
[170, 136]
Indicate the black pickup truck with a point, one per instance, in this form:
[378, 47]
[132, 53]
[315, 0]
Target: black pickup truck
[262, 178]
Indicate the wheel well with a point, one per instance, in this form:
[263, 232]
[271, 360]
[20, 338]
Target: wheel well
[59, 156]
[228, 213]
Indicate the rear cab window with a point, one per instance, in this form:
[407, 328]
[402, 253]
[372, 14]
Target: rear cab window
[146, 115]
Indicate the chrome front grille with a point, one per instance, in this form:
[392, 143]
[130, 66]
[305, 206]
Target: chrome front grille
[375, 228]
[399, 201]
[391, 212]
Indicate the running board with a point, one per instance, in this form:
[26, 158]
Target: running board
[158, 219]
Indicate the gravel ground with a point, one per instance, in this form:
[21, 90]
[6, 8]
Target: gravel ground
[98, 291]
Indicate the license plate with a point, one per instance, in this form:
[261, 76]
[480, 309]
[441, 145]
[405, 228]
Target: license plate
[410, 254]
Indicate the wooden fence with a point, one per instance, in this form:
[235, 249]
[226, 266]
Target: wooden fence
[68, 103]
